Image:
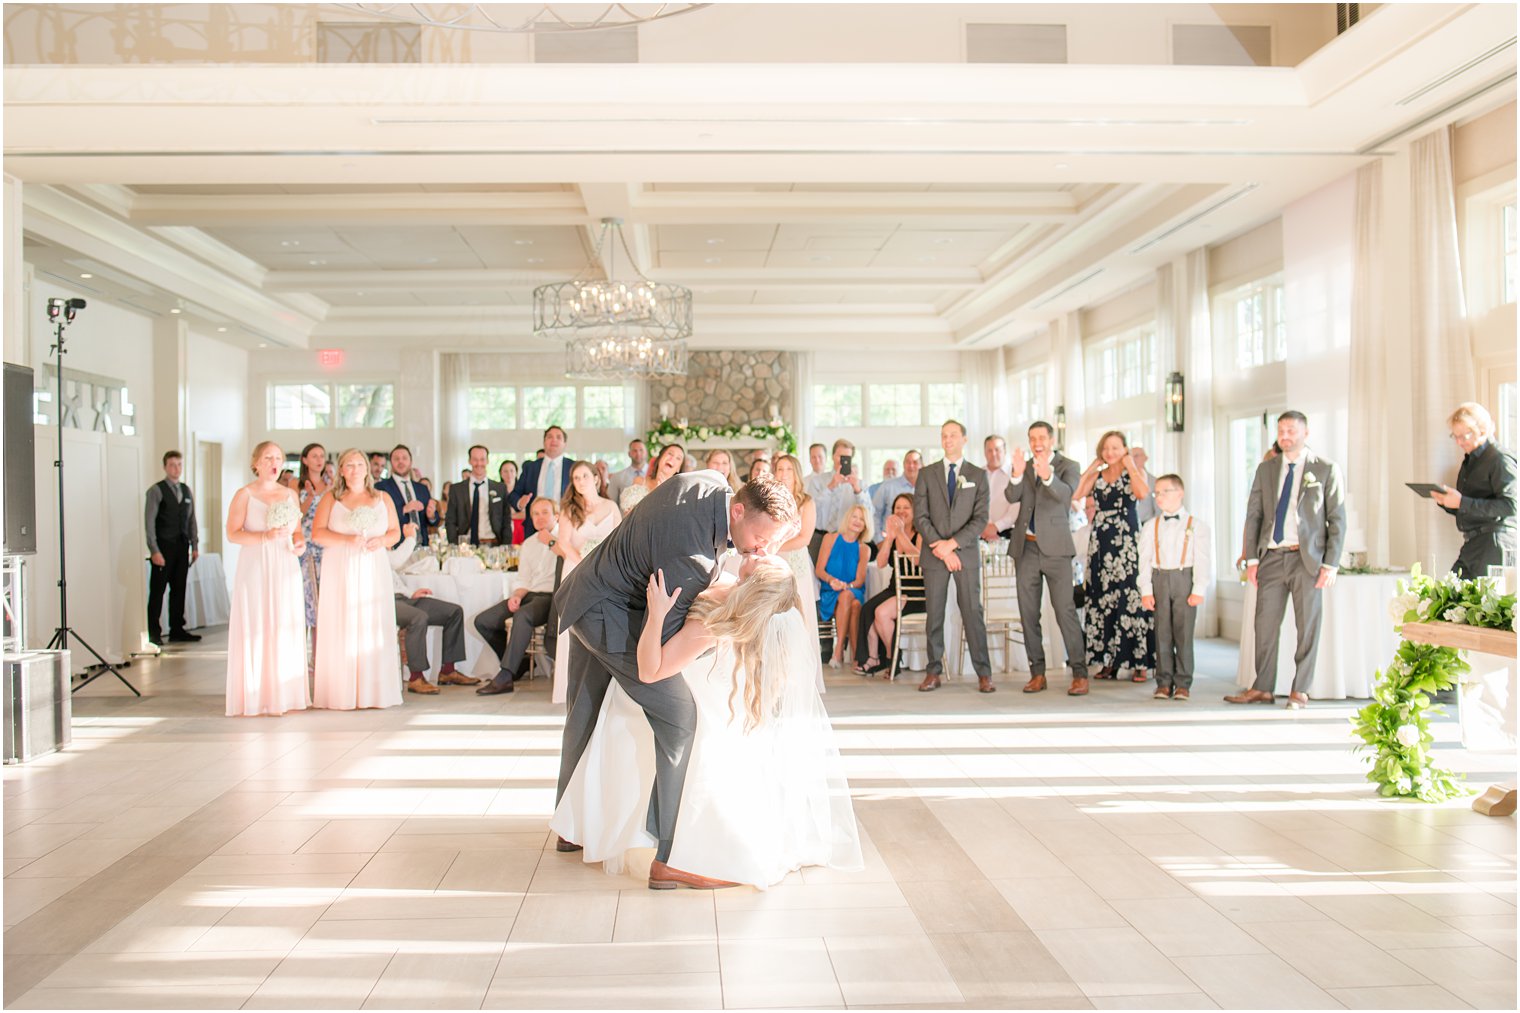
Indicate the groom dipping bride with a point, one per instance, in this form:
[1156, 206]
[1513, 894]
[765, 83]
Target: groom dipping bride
[741, 757]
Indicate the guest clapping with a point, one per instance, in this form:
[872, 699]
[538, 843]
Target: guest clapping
[357, 655]
[878, 616]
[1484, 500]
[667, 464]
[894, 486]
[1118, 629]
[266, 635]
[842, 562]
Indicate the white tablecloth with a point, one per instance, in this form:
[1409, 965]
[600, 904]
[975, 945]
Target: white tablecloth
[1356, 638]
[206, 600]
[474, 593]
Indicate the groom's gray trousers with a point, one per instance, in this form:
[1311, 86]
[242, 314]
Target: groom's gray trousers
[668, 704]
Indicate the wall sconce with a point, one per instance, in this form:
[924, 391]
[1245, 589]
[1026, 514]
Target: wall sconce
[1061, 428]
[1176, 403]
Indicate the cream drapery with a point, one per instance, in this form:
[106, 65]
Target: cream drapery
[1366, 466]
[1442, 365]
[454, 414]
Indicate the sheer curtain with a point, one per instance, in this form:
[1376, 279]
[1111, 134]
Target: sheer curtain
[1442, 354]
[1196, 358]
[802, 394]
[1366, 468]
[1071, 382]
[454, 418]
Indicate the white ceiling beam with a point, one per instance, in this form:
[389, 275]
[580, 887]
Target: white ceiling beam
[698, 279]
[981, 209]
[337, 209]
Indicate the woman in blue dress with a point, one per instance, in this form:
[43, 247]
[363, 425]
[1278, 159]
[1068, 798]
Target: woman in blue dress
[842, 574]
[1118, 629]
[313, 486]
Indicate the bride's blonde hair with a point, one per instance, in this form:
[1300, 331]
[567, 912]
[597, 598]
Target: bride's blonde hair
[744, 618]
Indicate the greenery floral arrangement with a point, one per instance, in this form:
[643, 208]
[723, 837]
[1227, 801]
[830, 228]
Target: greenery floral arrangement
[1394, 725]
[669, 431]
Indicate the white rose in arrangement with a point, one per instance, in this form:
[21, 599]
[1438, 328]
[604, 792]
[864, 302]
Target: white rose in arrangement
[366, 520]
[1400, 606]
[1408, 736]
[1455, 615]
[744, 430]
[1404, 785]
[703, 433]
[284, 514]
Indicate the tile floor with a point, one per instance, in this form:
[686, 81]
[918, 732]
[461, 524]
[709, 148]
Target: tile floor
[1111, 852]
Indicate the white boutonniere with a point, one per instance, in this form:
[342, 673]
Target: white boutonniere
[1310, 482]
[495, 497]
[962, 483]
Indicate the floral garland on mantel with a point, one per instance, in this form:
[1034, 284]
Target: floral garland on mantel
[1394, 724]
[669, 431]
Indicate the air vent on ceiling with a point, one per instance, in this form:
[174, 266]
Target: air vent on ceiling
[1089, 276]
[1196, 218]
[1346, 15]
[608, 45]
[1222, 45]
[360, 42]
[993, 43]
[1456, 71]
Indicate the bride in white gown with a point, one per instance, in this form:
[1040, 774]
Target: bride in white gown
[765, 792]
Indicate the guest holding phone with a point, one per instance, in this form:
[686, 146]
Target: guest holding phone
[836, 492]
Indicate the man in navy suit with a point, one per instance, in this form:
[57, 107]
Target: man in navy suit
[549, 476]
[414, 504]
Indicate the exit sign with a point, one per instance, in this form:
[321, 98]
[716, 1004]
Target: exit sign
[330, 358]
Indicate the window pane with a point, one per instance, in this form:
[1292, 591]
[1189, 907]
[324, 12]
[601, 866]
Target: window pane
[366, 405]
[836, 404]
[1510, 257]
[947, 401]
[877, 457]
[493, 408]
[548, 406]
[299, 406]
[1279, 324]
[896, 404]
[603, 407]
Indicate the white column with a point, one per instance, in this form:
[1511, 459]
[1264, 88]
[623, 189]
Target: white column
[17, 288]
[168, 426]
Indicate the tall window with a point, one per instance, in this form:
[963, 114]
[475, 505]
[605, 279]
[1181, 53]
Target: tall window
[946, 401]
[1510, 259]
[548, 406]
[837, 405]
[1123, 366]
[1027, 388]
[884, 420]
[603, 408]
[896, 404]
[332, 406]
[1253, 322]
[493, 407]
[1504, 422]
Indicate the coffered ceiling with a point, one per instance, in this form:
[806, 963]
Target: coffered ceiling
[881, 207]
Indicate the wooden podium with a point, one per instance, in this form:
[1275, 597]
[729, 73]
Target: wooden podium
[1499, 799]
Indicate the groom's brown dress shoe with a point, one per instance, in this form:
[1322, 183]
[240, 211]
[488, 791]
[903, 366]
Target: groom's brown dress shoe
[565, 847]
[984, 684]
[1251, 696]
[663, 877]
[1035, 684]
[931, 682]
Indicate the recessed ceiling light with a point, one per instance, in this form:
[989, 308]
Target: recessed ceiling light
[427, 260]
[522, 242]
[715, 241]
[819, 258]
[175, 310]
[263, 345]
[222, 330]
[943, 241]
[86, 275]
[358, 293]
[1063, 165]
[316, 262]
[926, 260]
[535, 260]
[290, 242]
[712, 260]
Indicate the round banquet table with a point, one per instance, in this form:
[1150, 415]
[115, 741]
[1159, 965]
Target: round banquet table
[473, 592]
[1356, 638]
[207, 602]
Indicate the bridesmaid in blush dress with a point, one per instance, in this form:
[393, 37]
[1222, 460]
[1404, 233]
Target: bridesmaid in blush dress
[358, 656]
[266, 633]
[585, 519]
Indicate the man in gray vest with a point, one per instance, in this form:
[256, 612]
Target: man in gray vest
[169, 521]
[684, 528]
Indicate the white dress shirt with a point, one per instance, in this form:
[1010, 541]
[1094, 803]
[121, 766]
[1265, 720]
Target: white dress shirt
[1002, 513]
[1290, 523]
[399, 557]
[482, 509]
[816, 485]
[833, 503]
[1180, 549]
[535, 567]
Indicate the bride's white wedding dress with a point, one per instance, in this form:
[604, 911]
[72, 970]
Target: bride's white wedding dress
[756, 805]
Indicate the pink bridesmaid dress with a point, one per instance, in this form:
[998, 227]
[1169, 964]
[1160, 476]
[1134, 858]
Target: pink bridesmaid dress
[266, 634]
[358, 656]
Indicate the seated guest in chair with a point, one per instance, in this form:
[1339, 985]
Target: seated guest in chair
[878, 616]
[415, 612]
[530, 604]
[414, 501]
[478, 506]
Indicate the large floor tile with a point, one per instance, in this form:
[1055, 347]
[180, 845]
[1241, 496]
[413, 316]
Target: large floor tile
[1402, 997]
[320, 980]
[876, 969]
[1063, 902]
[1186, 927]
[995, 967]
[1332, 956]
[212, 996]
[597, 991]
[434, 981]
[770, 973]
[1114, 961]
[1263, 981]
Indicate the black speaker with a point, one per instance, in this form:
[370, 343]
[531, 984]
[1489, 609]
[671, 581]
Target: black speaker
[20, 463]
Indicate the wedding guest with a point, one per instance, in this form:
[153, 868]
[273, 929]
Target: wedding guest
[890, 488]
[169, 520]
[662, 468]
[357, 656]
[950, 506]
[478, 505]
[288, 480]
[313, 486]
[603, 479]
[794, 550]
[435, 521]
[722, 462]
[412, 500]
[761, 456]
[638, 466]
[1117, 628]
[1042, 548]
[330, 474]
[586, 518]
[836, 492]
[266, 632]
[529, 604]
[1002, 515]
[377, 463]
[816, 484]
[415, 612]
[1297, 553]
[761, 466]
[878, 616]
[888, 470]
[507, 473]
[841, 570]
[1484, 500]
[1145, 506]
[1176, 563]
[546, 476]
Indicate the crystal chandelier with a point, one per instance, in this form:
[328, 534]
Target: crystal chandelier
[523, 18]
[623, 327]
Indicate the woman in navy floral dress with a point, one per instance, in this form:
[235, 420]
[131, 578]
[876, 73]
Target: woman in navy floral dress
[313, 486]
[1118, 629]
